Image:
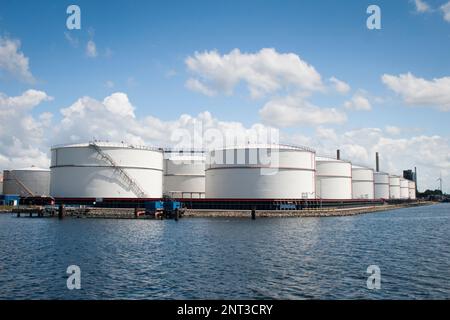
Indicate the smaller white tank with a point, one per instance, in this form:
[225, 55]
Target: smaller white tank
[394, 187]
[381, 181]
[184, 175]
[412, 189]
[26, 182]
[362, 183]
[333, 178]
[404, 188]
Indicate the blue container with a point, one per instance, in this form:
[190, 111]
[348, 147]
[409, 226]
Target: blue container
[9, 199]
[172, 205]
[154, 205]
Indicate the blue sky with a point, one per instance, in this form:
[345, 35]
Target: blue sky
[142, 47]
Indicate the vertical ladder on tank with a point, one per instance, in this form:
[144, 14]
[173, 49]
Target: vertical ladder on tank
[134, 186]
[21, 184]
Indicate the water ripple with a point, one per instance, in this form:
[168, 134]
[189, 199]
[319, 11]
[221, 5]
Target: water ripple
[294, 258]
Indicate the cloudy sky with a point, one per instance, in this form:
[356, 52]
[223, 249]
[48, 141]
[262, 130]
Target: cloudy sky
[143, 71]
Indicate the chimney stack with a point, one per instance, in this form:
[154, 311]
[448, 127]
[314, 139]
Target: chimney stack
[338, 154]
[377, 162]
[415, 177]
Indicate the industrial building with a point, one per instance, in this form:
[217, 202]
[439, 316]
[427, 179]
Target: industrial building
[333, 178]
[27, 182]
[106, 170]
[261, 172]
[184, 174]
[362, 183]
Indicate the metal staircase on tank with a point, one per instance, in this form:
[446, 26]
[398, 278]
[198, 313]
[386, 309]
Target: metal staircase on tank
[134, 186]
[21, 184]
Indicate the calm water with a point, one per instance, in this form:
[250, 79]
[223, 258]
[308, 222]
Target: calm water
[291, 258]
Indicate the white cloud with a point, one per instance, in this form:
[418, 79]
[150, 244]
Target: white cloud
[291, 111]
[113, 119]
[393, 130]
[358, 102]
[446, 11]
[21, 134]
[109, 84]
[422, 6]
[266, 71]
[326, 133]
[196, 85]
[339, 85]
[13, 61]
[420, 92]
[91, 49]
[73, 41]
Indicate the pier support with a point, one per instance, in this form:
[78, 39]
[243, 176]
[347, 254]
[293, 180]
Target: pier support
[253, 213]
[61, 211]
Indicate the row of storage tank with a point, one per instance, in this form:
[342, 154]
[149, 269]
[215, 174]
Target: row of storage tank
[108, 170]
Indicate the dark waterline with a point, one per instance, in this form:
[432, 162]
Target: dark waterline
[290, 258]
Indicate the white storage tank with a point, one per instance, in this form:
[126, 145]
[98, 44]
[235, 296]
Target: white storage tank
[184, 174]
[1, 183]
[27, 182]
[261, 172]
[333, 178]
[404, 188]
[381, 181]
[394, 187]
[412, 189]
[362, 183]
[106, 170]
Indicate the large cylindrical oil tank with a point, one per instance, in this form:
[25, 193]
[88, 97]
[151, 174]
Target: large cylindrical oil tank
[404, 188]
[394, 187]
[412, 189]
[362, 183]
[381, 181]
[333, 178]
[27, 182]
[106, 170]
[261, 172]
[184, 174]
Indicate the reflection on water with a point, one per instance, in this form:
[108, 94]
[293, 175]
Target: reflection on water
[291, 258]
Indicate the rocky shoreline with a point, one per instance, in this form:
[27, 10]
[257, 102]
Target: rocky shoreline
[324, 212]
[131, 213]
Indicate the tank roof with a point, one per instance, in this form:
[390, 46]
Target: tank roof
[106, 144]
[32, 168]
[381, 172]
[354, 166]
[261, 145]
[327, 159]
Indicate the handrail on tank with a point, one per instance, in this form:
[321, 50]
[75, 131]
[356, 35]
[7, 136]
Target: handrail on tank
[108, 144]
